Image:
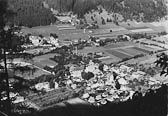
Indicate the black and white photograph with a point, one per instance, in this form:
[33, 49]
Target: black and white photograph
[83, 57]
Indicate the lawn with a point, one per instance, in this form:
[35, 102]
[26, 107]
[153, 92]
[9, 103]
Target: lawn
[117, 54]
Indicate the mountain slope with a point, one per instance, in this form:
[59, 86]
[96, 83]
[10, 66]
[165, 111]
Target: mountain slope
[141, 10]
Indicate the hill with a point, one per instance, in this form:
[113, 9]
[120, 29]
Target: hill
[33, 12]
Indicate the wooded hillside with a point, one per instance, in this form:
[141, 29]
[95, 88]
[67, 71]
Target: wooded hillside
[32, 12]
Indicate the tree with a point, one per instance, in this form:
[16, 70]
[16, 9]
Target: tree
[162, 62]
[86, 75]
[103, 21]
[10, 45]
[101, 67]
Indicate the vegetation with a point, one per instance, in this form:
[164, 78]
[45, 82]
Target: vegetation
[33, 13]
[162, 62]
[10, 45]
[130, 9]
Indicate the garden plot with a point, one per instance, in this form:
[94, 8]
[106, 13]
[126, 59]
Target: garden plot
[118, 54]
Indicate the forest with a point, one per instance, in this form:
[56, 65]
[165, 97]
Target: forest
[33, 13]
[150, 9]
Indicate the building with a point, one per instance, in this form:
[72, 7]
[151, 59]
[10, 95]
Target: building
[44, 85]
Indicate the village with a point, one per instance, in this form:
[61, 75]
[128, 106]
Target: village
[96, 61]
[80, 68]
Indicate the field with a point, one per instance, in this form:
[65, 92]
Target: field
[43, 60]
[114, 52]
[118, 51]
[38, 62]
[65, 31]
[127, 52]
[120, 44]
[153, 42]
[31, 75]
[118, 54]
[140, 49]
[112, 46]
[161, 38]
[131, 51]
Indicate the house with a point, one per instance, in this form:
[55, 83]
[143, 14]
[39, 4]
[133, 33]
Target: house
[44, 85]
[76, 73]
[126, 68]
[54, 41]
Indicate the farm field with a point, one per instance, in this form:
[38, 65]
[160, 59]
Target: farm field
[71, 33]
[161, 38]
[119, 44]
[62, 34]
[110, 60]
[73, 36]
[44, 30]
[140, 49]
[118, 51]
[148, 59]
[153, 48]
[117, 54]
[134, 28]
[153, 42]
[112, 46]
[131, 51]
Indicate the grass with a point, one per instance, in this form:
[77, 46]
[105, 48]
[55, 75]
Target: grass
[43, 60]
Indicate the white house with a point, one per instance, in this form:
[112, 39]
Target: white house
[44, 85]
